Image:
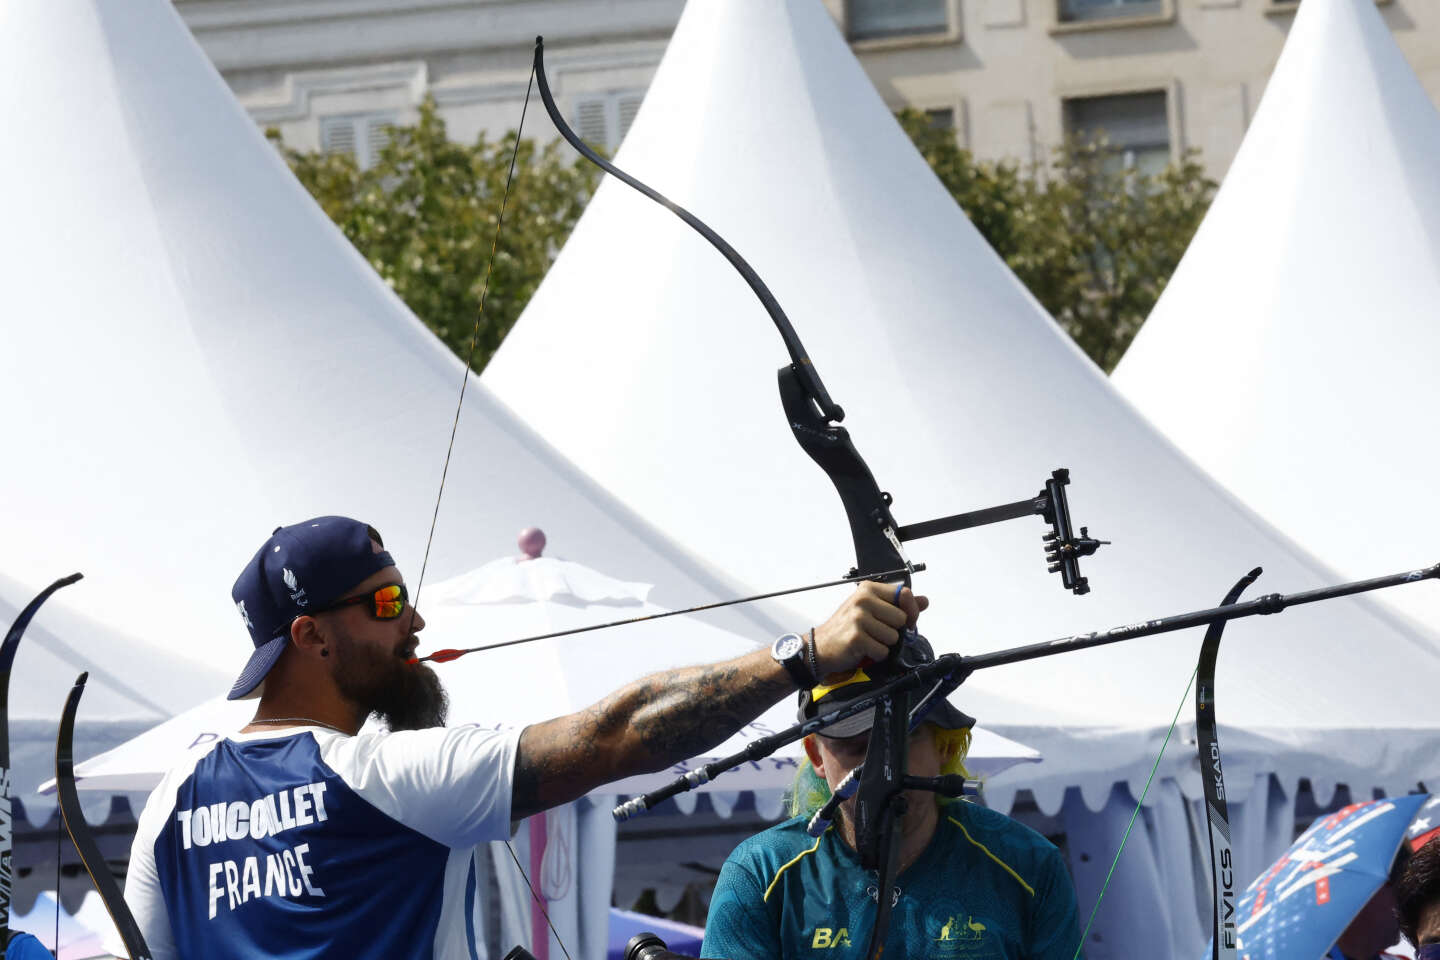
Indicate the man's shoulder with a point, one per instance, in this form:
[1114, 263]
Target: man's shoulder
[775, 846]
[995, 831]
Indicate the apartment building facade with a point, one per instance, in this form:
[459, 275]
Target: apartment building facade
[1010, 77]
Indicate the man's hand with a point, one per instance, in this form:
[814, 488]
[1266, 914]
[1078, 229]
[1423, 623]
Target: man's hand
[865, 627]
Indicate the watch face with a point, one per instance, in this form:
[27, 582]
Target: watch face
[787, 646]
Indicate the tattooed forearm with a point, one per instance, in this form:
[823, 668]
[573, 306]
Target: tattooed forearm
[645, 726]
[678, 714]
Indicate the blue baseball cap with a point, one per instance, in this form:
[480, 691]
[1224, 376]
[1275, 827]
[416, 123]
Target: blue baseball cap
[302, 568]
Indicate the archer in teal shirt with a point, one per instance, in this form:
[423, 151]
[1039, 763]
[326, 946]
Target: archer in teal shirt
[985, 888]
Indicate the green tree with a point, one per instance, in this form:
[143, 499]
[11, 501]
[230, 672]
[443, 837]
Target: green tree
[993, 195]
[1099, 241]
[1093, 241]
[424, 216]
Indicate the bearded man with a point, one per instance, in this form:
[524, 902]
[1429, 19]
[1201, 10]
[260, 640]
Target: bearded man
[300, 836]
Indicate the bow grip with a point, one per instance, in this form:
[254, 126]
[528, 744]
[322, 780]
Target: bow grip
[872, 527]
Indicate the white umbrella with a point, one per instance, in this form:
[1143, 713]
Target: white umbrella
[514, 686]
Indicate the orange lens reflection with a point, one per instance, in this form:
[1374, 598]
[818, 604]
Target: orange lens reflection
[389, 602]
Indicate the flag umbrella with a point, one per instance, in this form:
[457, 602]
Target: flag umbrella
[1297, 908]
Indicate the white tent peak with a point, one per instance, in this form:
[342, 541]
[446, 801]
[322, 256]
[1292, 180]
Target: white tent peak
[1293, 353]
[960, 392]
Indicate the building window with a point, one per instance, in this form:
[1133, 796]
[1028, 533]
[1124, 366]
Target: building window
[361, 135]
[1136, 125]
[1081, 10]
[603, 119]
[874, 19]
[943, 119]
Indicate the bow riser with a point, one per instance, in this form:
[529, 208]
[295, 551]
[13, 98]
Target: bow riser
[867, 507]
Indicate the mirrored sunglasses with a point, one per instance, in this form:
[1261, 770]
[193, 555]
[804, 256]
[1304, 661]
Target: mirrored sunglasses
[386, 603]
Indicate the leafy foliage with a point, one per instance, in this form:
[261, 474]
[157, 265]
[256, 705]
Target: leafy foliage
[424, 216]
[993, 195]
[1093, 241]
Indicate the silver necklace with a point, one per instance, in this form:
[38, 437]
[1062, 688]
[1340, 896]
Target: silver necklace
[301, 721]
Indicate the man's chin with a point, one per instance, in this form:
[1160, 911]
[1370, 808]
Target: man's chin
[417, 702]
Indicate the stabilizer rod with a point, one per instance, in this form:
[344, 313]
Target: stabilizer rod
[950, 665]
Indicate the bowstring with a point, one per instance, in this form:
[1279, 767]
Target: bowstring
[59, 832]
[474, 340]
[455, 427]
[539, 901]
[1184, 699]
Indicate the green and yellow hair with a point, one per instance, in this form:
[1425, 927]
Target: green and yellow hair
[810, 791]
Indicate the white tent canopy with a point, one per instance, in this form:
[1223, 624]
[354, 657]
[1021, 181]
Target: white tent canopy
[194, 355]
[1293, 353]
[961, 392]
[132, 684]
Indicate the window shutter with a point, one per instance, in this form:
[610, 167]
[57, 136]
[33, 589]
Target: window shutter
[942, 119]
[337, 135]
[590, 122]
[377, 136]
[629, 107]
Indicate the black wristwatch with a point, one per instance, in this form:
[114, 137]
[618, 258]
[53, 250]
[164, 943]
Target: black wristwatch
[789, 652]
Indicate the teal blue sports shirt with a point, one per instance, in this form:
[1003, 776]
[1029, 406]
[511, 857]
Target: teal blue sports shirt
[986, 888]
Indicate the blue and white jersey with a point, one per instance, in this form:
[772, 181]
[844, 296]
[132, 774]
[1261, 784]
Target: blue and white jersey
[313, 844]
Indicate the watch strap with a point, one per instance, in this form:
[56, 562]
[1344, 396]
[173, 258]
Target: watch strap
[812, 659]
[797, 665]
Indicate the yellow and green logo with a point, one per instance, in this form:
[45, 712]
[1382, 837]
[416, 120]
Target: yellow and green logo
[827, 938]
[971, 929]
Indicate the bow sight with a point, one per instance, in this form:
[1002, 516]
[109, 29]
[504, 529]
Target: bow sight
[1063, 549]
[867, 507]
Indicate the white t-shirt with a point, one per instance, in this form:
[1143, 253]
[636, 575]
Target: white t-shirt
[308, 843]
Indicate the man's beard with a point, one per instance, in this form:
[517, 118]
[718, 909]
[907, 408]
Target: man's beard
[401, 695]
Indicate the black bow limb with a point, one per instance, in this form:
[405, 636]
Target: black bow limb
[7, 812]
[1207, 740]
[81, 835]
